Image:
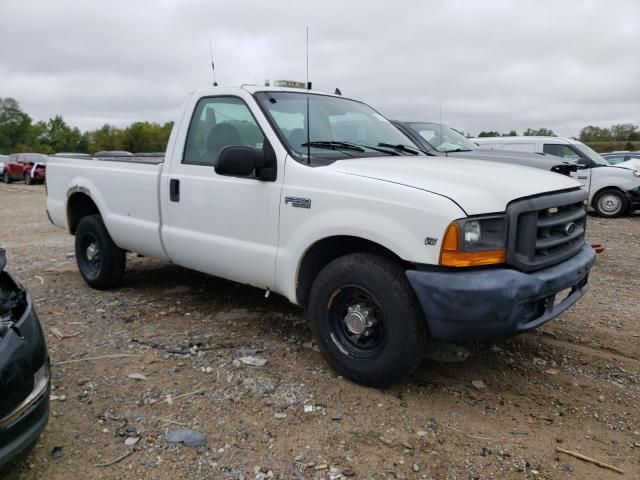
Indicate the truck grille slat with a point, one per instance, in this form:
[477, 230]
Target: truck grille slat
[560, 218]
[555, 240]
[548, 229]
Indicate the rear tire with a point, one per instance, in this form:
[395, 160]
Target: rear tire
[6, 178]
[100, 261]
[366, 319]
[28, 179]
[611, 203]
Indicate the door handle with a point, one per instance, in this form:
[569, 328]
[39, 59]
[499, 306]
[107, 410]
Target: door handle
[174, 190]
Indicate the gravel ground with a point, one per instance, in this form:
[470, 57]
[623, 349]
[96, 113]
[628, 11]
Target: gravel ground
[182, 338]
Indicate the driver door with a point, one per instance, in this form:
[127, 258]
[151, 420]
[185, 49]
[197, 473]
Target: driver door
[221, 225]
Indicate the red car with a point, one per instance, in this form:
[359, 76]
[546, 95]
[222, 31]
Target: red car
[30, 167]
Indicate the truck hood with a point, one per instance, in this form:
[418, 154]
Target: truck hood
[477, 187]
[633, 164]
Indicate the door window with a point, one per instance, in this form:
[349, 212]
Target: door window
[563, 151]
[219, 122]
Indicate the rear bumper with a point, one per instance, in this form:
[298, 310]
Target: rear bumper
[498, 303]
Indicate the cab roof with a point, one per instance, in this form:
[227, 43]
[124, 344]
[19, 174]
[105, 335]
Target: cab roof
[258, 88]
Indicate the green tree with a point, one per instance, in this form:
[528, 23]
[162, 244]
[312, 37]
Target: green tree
[106, 137]
[595, 134]
[15, 127]
[60, 137]
[141, 137]
[625, 131]
[490, 133]
[539, 132]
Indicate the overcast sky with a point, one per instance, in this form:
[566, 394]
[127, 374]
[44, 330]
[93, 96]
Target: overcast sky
[494, 65]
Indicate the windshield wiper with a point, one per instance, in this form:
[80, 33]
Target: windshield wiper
[401, 147]
[334, 145]
[458, 150]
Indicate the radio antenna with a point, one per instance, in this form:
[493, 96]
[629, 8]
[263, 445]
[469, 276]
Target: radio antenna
[570, 133]
[213, 67]
[308, 88]
[308, 118]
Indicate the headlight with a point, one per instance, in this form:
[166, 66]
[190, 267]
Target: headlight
[475, 241]
[636, 173]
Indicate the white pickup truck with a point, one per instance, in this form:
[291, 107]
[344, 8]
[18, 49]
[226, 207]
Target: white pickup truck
[321, 199]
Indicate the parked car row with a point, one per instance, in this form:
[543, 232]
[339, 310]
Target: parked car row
[611, 193]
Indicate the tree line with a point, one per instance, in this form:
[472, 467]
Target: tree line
[19, 133]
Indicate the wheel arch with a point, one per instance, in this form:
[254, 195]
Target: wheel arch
[79, 205]
[327, 249]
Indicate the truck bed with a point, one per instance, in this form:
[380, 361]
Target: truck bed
[125, 190]
[154, 160]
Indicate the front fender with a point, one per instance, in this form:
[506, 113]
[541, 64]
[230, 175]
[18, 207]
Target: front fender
[393, 216]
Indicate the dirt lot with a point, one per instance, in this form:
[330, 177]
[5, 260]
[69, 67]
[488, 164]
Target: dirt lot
[573, 384]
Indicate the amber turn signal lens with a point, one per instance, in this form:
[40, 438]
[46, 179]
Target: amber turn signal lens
[452, 256]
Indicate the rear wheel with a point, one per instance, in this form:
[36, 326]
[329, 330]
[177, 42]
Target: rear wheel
[28, 179]
[100, 261]
[611, 203]
[366, 319]
[6, 178]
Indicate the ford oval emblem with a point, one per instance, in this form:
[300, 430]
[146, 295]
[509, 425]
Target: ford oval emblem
[569, 228]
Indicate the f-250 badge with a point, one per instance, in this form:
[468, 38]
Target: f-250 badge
[298, 202]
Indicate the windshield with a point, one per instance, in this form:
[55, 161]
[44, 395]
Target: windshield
[591, 154]
[442, 138]
[340, 128]
[36, 158]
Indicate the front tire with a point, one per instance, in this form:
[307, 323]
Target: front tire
[611, 203]
[366, 319]
[100, 261]
[28, 179]
[6, 178]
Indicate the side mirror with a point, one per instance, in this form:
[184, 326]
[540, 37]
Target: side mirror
[583, 163]
[239, 160]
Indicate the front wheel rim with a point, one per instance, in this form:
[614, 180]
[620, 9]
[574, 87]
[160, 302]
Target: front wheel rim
[356, 322]
[610, 204]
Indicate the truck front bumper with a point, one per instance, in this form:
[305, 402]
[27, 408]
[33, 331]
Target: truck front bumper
[497, 303]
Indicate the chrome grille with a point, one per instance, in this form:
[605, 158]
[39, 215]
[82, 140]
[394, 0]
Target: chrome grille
[548, 229]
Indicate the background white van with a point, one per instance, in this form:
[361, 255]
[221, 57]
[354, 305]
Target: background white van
[613, 191]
